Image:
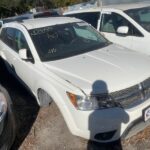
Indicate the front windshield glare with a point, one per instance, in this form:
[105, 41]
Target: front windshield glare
[65, 40]
[141, 16]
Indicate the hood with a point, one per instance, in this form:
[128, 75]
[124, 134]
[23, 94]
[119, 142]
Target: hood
[113, 68]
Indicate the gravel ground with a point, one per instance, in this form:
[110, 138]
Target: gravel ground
[45, 129]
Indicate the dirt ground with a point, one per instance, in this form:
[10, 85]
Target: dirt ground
[45, 129]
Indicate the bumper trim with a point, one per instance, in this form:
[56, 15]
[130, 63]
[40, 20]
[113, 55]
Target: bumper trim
[135, 127]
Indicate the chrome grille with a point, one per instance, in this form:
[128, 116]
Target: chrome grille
[128, 97]
[132, 96]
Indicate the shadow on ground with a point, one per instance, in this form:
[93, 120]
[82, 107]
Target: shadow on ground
[110, 120]
[25, 106]
[110, 146]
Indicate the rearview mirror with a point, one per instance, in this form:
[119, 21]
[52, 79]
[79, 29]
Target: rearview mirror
[23, 54]
[123, 30]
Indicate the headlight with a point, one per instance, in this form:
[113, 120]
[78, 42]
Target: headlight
[91, 102]
[3, 106]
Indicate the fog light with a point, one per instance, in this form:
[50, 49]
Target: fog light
[105, 136]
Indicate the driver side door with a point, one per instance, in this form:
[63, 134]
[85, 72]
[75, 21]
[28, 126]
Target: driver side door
[24, 69]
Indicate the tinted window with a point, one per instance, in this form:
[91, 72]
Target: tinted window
[90, 17]
[15, 39]
[141, 16]
[110, 23]
[10, 32]
[9, 37]
[20, 41]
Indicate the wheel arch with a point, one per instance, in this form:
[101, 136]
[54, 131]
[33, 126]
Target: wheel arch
[58, 99]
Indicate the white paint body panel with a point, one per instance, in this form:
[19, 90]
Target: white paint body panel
[118, 67]
[140, 44]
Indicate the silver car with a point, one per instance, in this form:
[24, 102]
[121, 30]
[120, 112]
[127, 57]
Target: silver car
[7, 120]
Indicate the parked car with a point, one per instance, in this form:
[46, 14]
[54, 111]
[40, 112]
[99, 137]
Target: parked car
[29, 15]
[126, 24]
[36, 15]
[101, 89]
[7, 120]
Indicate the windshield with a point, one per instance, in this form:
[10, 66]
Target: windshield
[66, 40]
[141, 16]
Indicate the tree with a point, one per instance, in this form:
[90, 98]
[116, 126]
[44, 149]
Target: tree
[63, 3]
[10, 7]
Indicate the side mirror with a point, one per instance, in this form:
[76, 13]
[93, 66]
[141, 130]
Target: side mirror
[123, 30]
[23, 54]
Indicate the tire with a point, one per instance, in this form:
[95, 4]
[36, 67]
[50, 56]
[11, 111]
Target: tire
[9, 132]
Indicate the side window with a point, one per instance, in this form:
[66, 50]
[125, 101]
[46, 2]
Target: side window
[110, 23]
[21, 43]
[89, 17]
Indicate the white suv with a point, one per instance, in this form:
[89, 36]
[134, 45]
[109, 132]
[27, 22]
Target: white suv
[126, 24]
[101, 89]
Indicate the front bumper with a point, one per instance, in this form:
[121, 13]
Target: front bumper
[108, 125]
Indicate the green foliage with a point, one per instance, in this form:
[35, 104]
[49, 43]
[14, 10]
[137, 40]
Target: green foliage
[10, 7]
[9, 3]
[32, 3]
[63, 3]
